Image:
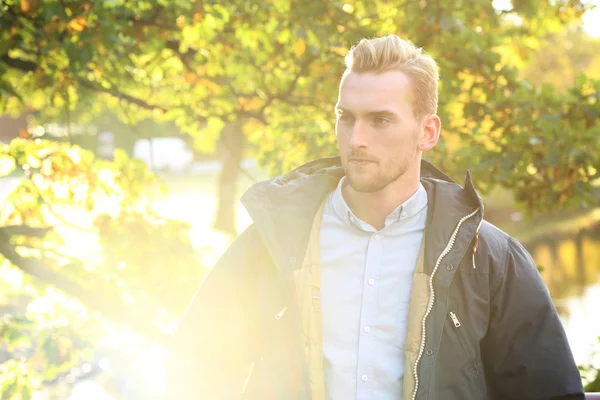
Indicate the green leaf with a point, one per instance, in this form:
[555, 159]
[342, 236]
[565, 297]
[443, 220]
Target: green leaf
[26, 392]
[7, 165]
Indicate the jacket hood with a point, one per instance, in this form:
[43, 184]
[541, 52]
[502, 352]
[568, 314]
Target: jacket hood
[283, 208]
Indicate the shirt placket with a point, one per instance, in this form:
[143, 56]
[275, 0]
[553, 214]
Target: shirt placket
[364, 370]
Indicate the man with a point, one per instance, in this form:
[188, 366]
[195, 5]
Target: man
[373, 275]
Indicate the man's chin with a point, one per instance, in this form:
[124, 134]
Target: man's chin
[363, 184]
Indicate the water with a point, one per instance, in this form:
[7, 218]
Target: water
[571, 269]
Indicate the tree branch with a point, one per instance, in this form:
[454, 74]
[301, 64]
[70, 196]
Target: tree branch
[291, 87]
[24, 230]
[103, 302]
[23, 65]
[28, 66]
[55, 214]
[116, 93]
[174, 45]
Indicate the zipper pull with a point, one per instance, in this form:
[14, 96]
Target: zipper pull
[248, 378]
[475, 246]
[454, 319]
[280, 313]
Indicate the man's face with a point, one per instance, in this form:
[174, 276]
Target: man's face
[377, 133]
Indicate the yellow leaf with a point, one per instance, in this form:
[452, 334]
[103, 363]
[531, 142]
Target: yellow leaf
[190, 77]
[212, 86]
[198, 16]
[249, 104]
[252, 127]
[7, 165]
[180, 22]
[77, 24]
[24, 133]
[47, 167]
[28, 6]
[300, 47]
[157, 112]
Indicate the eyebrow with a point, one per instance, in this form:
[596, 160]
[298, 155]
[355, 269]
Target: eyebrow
[374, 113]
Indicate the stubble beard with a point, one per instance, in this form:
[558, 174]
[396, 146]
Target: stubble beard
[376, 177]
[378, 180]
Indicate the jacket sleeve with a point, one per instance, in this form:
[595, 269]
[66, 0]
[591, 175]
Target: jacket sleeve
[211, 350]
[525, 352]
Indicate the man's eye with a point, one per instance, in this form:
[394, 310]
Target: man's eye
[343, 117]
[381, 121]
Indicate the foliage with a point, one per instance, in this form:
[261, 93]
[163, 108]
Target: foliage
[590, 372]
[275, 66]
[561, 56]
[126, 282]
[544, 147]
[55, 350]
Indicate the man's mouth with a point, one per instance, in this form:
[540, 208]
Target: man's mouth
[360, 161]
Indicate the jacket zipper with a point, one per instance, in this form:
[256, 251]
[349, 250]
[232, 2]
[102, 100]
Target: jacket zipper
[432, 299]
[248, 377]
[280, 313]
[476, 244]
[464, 341]
[454, 319]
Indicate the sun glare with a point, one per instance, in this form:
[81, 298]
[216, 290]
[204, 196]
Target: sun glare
[591, 19]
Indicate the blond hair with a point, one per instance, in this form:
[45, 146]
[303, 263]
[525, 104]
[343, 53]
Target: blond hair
[391, 53]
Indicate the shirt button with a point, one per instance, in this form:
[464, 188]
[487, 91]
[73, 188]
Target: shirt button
[403, 215]
[367, 329]
[429, 352]
[377, 237]
[364, 378]
[371, 281]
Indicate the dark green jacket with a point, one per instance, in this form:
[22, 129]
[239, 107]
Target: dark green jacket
[234, 337]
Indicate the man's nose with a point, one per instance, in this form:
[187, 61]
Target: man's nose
[358, 136]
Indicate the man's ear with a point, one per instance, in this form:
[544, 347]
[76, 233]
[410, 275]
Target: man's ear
[430, 133]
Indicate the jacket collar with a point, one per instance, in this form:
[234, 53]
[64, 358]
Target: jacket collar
[412, 206]
[283, 208]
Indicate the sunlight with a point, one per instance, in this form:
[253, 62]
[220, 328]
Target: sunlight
[591, 19]
[89, 390]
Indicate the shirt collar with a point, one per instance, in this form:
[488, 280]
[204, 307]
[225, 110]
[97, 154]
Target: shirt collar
[411, 207]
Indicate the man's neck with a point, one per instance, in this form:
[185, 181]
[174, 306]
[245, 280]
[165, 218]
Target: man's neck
[374, 207]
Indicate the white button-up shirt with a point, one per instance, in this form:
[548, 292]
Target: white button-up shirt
[366, 279]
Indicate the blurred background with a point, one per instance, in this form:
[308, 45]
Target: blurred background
[129, 130]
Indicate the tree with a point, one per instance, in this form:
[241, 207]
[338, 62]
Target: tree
[252, 76]
[206, 66]
[127, 283]
[201, 66]
[561, 56]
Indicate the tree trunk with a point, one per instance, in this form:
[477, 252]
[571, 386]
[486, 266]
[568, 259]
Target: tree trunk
[231, 147]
